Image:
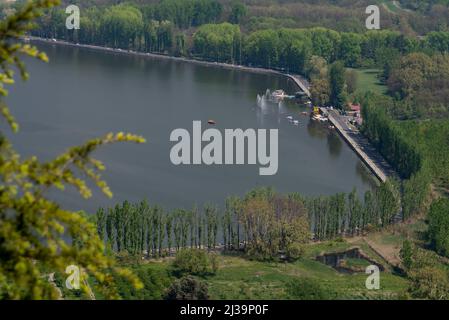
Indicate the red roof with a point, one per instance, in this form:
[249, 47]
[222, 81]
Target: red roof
[355, 107]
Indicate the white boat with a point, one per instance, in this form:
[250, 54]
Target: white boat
[279, 94]
[296, 122]
[290, 118]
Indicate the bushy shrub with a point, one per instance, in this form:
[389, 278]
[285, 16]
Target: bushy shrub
[155, 282]
[430, 283]
[187, 288]
[194, 262]
[294, 251]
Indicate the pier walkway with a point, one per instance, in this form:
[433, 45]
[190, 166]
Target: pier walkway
[302, 83]
[366, 152]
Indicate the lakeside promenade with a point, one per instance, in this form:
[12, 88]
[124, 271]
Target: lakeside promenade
[362, 147]
[299, 80]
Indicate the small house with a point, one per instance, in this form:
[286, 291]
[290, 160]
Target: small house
[354, 110]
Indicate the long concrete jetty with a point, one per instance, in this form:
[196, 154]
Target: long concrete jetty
[302, 83]
[366, 152]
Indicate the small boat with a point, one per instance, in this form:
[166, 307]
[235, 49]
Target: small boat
[212, 122]
[278, 94]
[290, 118]
[295, 122]
[304, 113]
[332, 127]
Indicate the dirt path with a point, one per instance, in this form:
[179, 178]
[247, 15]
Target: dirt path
[390, 253]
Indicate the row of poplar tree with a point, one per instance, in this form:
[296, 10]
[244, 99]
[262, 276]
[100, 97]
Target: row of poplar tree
[262, 216]
[400, 151]
[346, 215]
[137, 228]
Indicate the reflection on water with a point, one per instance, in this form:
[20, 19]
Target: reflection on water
[365, 174]
[317, 130]
[82, 94]
[334, 143]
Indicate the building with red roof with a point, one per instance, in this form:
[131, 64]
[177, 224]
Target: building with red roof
[355, 107]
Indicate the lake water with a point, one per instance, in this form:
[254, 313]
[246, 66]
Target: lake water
[82, 94]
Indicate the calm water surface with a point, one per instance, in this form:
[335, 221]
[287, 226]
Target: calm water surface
[82, 94]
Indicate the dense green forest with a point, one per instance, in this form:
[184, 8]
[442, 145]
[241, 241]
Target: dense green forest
[410, 126]
[201, 28]
[423, 6]
[411, 17]
[219, 31]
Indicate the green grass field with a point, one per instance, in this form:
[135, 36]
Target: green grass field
[367, 80]
[242, 279]
[238, 278]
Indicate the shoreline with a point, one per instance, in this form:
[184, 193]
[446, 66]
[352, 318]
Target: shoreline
[299, 81]
[375, 162]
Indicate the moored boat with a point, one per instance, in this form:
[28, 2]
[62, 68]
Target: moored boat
[279, 94]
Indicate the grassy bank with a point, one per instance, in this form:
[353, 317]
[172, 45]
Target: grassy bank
[368, 80]
[240, 278]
